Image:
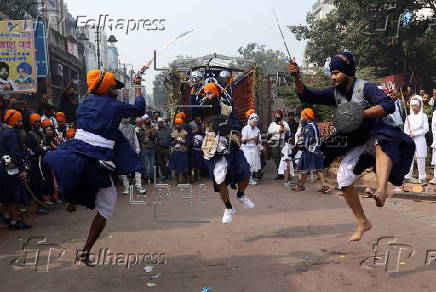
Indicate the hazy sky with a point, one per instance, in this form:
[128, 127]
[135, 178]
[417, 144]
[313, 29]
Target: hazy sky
[220, 26]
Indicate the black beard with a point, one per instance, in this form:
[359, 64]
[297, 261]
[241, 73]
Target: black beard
[211, 111]
[114, 95]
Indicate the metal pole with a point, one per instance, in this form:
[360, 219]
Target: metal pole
[97, 35]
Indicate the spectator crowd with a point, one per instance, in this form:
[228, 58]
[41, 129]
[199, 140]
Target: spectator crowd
[174, 148]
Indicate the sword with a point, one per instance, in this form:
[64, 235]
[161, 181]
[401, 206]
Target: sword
[284, 41]
[32, 194]
[146, 66]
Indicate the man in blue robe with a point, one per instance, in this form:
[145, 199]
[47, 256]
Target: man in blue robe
[226, 162]
[377, 143]
[83, 165]
[12, 170]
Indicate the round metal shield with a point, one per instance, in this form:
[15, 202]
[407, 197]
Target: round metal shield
[348, 117]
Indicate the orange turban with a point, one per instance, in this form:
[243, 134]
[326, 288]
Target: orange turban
[70, 133]
[46, 123]
[178, 121]
[181, 115]
[249, 113]
[60, 117]
[213, 87]
[34, 117]
[12, 116]
[108, 81]
[307, 113]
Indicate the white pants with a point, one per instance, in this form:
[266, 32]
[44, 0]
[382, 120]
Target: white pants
[138, 183]
[105, 201]
[421, 168]
[220, 170]
[284, 165]
[252, 155]
[345, 176]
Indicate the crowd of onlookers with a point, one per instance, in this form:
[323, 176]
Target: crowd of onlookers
[26, 135]
[174, 147]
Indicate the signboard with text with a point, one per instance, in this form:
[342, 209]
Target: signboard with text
[17, 57]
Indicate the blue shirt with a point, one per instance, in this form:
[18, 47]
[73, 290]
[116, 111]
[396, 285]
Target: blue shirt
[101, 115]
[10, 144]
[373, 94]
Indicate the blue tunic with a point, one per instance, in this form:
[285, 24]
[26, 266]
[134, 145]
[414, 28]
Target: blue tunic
[40, 177]
[397, 145]
[311, 160]
[179, 161]
[11, 188]
[238, 168]
[197, 158]
[75, 162]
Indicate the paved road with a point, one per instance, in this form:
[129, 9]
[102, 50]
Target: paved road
[289, 242]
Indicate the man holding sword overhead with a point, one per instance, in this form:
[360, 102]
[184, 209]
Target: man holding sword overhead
[384, 147]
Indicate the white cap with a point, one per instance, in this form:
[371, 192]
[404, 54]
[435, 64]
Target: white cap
[160, 120]
[144, 117]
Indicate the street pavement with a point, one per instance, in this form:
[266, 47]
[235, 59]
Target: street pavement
[288, 242]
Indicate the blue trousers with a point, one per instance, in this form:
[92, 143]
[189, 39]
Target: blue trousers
[148, 159]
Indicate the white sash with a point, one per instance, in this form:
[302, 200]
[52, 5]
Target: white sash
[93, 139]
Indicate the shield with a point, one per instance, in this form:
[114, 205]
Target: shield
[348, 117]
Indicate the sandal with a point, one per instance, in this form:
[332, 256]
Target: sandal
[325, 189]
[368, 193]
[298, 189]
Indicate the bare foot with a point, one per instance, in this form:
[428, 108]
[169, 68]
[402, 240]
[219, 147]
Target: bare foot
[84, 258]
[361, 229]
[380, 198]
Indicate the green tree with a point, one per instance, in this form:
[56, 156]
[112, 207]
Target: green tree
[160, 94]
[408, 44]
[268, 61]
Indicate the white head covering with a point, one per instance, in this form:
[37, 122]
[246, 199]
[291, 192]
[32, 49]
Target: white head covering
[160, 120]
[414, 101]
[253, 118]
[144, 117]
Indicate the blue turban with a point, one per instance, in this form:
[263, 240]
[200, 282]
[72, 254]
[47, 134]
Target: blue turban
[26, 68]
[348, 68]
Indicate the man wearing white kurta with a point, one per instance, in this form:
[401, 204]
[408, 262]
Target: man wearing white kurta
[251, 146]
[277, 131]
[416, 126]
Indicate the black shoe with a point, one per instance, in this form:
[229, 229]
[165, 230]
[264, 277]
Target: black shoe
[19, 225]
[7, 221]
[280, 176]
